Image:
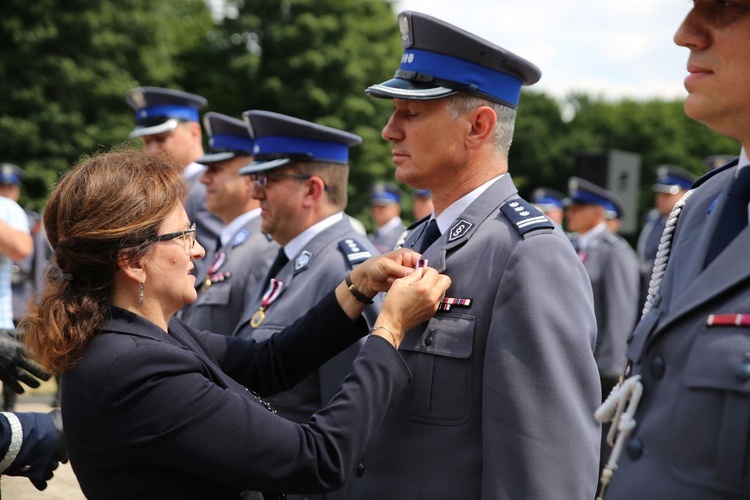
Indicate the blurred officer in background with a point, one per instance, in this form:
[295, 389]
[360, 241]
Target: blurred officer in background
[301, 172]
[503, 376]
[243, 252]
[421, 204]
[689, 352]
[168, 120]
[550, 203]
[671, 184]
[385, 201]
[612, 266]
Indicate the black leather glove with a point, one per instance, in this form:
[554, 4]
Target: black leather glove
[60, 453]
[15, 367]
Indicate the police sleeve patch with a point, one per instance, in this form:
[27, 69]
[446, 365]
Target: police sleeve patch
[525, 216]
[353, 251]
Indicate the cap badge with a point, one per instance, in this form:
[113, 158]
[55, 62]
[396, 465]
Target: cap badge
[139, 98]
[404, 26]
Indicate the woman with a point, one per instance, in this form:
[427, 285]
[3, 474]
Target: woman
[154, 409]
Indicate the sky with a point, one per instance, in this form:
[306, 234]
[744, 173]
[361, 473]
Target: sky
[603, 48]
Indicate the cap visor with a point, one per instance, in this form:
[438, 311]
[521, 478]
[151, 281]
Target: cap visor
[398, 88]
[666, 188]
[214, 157]
[262, 166]
[167, 126]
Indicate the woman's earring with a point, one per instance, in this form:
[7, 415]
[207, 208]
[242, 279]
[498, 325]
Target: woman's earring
[140, 301]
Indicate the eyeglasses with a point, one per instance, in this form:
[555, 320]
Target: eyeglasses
[188, 236]
[261, 180]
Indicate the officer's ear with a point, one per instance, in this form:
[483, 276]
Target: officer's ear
[483, 122]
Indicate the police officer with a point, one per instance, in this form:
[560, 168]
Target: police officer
[301, 171]
[243, 252]
[671, 184]
[612, 266]
[385, 202]
[549, 202]
[421, 204]
[168, 120]
[503, 375]
[689, 353]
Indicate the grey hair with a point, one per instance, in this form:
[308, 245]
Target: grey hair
[502, 136]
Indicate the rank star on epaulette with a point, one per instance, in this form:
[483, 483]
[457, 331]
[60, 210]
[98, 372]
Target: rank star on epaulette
[353, 251]
[525, 216]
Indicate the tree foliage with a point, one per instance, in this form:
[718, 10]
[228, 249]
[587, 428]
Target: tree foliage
[66, 66]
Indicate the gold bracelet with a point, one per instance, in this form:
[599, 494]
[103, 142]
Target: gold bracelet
[361, 297]
[395, 344]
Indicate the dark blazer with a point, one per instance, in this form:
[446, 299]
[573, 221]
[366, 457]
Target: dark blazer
[154, 415]
[38, 438]
[503, 392]
[692, 439]
[245, 262]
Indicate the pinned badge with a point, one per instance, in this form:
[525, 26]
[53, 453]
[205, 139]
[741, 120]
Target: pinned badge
[240, 237]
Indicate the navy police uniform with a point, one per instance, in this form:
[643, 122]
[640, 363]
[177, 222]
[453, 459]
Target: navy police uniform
[385, 237]
[316, 262]
[27, 443]
[691, 352]
[159, 110]
[504, 374]
[243, 252]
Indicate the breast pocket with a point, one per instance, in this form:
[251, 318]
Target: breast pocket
[709, 438]
[440, 361]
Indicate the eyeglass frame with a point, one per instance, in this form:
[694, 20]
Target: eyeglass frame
[280, 175]
[180, 234]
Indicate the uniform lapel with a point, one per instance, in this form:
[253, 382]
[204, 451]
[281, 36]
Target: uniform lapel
[461, 229]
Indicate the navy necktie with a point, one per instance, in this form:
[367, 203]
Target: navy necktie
[429, 236]
[281, 259]
[733, 217]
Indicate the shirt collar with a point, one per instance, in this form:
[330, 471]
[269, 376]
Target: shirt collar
[391, 224]
[228, 231]
[585, 239]
[450, 214]
[297, 244]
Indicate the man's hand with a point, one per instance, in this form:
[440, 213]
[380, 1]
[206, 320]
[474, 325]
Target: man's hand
[15, 367]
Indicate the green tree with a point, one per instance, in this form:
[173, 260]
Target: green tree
[66, 66]
[311, 59]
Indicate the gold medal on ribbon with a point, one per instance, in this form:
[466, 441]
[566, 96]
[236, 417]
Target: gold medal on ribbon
[258, 318]
[206, 284]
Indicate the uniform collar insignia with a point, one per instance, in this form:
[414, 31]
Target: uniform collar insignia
[302, 261]
[240, 237]
[459, 229]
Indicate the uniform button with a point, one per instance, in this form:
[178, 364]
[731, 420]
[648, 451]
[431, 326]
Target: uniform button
[360, 470]
[657, 367]
[743, 371]
[428, 340]
[635, 449]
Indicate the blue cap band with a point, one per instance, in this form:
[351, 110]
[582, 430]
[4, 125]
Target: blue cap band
[386, 196]
[548, 200]
[495, 83]
[320, 150]
[180, 112]
[231, 143]
[673, 180]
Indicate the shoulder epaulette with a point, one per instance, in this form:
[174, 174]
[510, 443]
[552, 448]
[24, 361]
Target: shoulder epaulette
[354, 251]
[525, 216]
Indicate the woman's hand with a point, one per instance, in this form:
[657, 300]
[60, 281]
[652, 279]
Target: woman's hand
[411, 300]
[377, 274]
